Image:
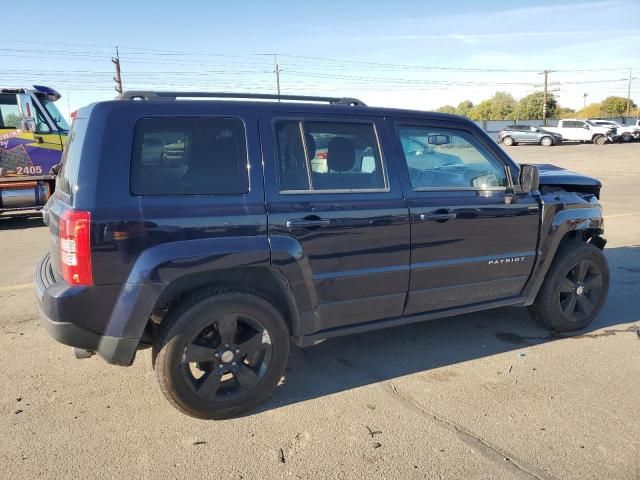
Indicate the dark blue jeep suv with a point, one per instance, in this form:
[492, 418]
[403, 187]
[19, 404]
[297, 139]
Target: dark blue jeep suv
[216, 231]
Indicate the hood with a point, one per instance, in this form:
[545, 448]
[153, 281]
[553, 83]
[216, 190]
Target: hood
[552, 176]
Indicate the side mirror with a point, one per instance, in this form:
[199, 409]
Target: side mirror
[586, 127]
[529, 178]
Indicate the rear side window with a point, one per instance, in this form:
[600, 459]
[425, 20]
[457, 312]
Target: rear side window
[67, 178]
[328, 156]
[189, 156]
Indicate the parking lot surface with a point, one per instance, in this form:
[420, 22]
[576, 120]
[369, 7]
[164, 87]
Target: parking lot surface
[486, 395]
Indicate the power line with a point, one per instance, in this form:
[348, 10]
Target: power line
[155, 52]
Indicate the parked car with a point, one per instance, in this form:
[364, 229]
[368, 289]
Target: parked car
[574, 130]
[515, 134]
[219, 265]
[626, 133]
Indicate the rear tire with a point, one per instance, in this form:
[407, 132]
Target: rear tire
[599, 140]
[546, 141]
[508, 141]
[220, 353]
[574, 289]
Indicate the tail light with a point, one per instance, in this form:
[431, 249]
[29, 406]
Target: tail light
[321, 155]
[75, 247]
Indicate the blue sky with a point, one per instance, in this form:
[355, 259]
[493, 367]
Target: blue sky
[413, 54]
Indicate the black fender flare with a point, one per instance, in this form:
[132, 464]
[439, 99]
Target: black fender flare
[558, 221]
[159, 267]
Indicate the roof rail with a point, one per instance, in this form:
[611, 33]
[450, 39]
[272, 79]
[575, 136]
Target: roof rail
[153, 95]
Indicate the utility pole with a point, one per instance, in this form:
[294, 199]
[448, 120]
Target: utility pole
[584, 99]
[629, 96]
[117, 77]
[277, 72]
[544, 105]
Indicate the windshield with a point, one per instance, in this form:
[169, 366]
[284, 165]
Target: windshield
[53, 111]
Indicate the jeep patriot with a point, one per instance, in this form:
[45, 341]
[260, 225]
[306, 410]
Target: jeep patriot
[217, 230]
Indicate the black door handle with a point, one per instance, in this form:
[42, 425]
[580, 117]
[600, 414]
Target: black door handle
[307, 223]
[437, 217]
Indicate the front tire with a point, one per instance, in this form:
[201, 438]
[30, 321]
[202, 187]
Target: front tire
[220, 353]
[508, 141]
[599, 140]
[627, 137]
[574, 290]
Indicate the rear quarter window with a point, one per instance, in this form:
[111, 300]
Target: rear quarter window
[68, 176]
[189, 156]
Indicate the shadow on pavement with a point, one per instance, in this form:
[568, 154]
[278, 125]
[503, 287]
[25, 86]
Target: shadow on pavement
[349, 362]
[21, 221]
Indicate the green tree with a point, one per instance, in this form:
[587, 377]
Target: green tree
[503, 106]
[593, 110]
[447, 109]
[531, 106]
[614, 106]
[481, 111]
[464, 108]
[565, 112]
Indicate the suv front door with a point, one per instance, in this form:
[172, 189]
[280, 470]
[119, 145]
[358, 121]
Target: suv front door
[471, 241]
[335, 203]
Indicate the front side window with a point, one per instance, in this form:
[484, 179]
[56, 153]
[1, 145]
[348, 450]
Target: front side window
[55, 114]
[189, 156]
[328, 156]
[42, 126]
[448, 159]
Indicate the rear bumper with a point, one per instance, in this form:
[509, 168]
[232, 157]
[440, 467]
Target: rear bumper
[59, 307]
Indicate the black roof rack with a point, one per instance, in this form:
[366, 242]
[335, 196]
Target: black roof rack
[153, 95]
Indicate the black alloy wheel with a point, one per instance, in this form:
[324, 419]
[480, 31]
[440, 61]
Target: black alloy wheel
[575, 288]
[220, 353]
[580, 291]
[227, 358]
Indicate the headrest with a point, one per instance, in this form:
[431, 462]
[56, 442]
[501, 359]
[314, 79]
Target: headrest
[341, 154]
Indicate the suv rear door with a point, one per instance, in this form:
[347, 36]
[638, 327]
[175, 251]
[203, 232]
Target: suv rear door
[472, 242]
[335, 203]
